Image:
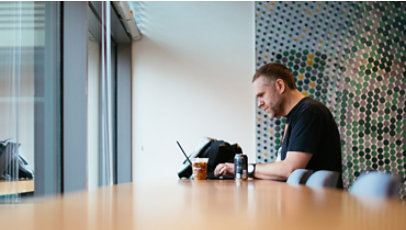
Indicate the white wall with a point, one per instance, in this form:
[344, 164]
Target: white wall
[192, 75]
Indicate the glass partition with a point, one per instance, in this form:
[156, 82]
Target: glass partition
[29, 99]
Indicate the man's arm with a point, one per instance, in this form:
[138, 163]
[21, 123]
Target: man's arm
[273, 171]
[282, 169]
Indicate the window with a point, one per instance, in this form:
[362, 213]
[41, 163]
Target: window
[29, 98]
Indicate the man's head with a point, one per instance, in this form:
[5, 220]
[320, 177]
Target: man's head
[272, 83]
[274, 71]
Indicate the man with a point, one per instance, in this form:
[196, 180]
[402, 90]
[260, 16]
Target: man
[311, 138]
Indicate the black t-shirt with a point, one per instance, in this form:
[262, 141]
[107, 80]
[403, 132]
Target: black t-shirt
[312, 129]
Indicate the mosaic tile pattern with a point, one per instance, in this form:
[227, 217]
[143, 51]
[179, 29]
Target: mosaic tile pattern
[350, 56]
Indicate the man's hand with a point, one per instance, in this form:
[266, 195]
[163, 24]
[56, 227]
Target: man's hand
[224, 169]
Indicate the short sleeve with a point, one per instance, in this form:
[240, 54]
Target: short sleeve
[307, 132]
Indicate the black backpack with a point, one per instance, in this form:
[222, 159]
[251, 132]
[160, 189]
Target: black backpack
[218, 151]
[10, 156]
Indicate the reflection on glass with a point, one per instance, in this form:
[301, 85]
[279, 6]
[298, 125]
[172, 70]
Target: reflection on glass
[101, 101]
[17, 32]
[106, 154]
[26, 93]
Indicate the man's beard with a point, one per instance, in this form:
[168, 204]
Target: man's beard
[276, 110]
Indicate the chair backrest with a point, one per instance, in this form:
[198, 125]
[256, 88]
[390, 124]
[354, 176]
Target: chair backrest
[299, 176]
[323, 178]
[376, 184]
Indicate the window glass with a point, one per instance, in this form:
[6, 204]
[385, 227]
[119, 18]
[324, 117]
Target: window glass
[29, 98]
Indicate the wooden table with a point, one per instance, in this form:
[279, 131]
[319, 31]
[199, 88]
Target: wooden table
[186, 204]
[13, 187]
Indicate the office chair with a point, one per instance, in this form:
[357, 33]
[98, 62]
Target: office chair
[376, 184]
[323, 178]
[299, 176]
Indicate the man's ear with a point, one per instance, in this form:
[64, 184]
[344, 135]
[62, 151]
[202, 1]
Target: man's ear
[280, 86]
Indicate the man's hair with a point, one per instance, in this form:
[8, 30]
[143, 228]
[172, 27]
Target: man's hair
[273, 71]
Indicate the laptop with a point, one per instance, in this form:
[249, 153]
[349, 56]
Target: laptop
[185, 170]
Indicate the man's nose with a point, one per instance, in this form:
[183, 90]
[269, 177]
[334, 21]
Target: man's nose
[260, 103]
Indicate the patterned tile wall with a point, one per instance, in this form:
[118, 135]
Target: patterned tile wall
[351, 56]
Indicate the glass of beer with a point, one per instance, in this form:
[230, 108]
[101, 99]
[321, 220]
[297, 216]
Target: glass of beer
[199, 166]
